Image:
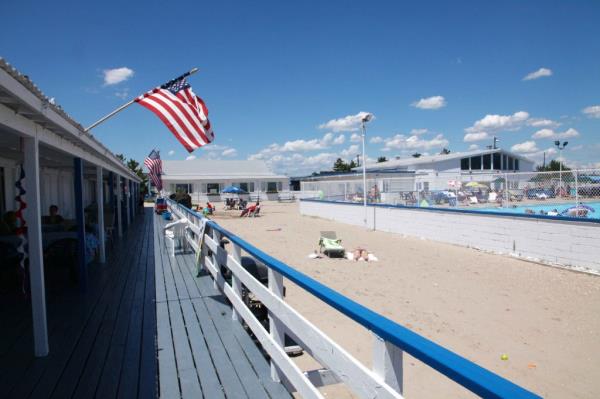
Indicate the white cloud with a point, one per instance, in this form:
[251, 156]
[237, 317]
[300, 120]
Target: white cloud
[190, 157]
[339, 140]
[525, 147]
[469, 137]
[376, 140]
[473, 147]
[551, 134]
[350, 152]
[434, 102]
[172, 152]
[116, 75]
[349, 123]
[401, 141]
[492, 122]
[593, 111]
[540, 73]
[538, 122]
[122, 94]
[355, 138]
[418, 132]
[230, 152]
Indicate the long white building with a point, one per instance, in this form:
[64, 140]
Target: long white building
[205, 180]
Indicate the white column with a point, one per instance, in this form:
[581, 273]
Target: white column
[119, 213]
[387, 362]
[276, 328]
[236, 284]
[128, 202]
[33, 217]
[100, 202]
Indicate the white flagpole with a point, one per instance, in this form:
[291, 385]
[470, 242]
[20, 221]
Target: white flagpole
[122, 107]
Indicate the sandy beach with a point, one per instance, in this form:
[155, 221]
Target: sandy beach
[479, 305]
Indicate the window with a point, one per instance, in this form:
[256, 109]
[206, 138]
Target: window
[511, 163]
[279, 186]
[497, 162]
[213, 188]
[504, 162]
[251, 187]
[476, 163]
[516, 164]
[244, 186]
[183, 187]
[487, 161]
[464, 164]
[272, 187]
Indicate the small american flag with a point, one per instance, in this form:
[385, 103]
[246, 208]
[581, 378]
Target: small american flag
[184, 113]
[154, 165]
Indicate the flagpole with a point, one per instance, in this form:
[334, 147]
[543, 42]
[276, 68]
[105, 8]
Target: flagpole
[122, 107]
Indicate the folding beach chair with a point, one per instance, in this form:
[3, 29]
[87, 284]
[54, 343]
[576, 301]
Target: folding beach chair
[330, 245]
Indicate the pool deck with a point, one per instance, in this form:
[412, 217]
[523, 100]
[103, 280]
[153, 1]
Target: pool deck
[146, 327]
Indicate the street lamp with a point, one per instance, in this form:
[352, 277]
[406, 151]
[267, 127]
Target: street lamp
[560, 148]
[364, 121]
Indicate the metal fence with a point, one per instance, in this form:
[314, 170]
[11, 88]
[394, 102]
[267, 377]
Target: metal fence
[484, 190]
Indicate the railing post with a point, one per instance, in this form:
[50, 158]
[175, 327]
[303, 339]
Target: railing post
[506, 193]
[387, 362]
[576, 188]
[236, 284]
[216, 236]
[276, 328]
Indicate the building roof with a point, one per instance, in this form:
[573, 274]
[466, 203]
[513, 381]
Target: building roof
[200, 169]
[405, 163]
[20, 94]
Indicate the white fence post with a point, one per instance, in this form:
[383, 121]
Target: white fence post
[506, 193]
[216, 236]
[576, 188]
[236, 284]
[276, 328]
[387, 362]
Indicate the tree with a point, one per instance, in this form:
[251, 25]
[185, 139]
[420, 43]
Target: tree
[121, 157]
[351, 165]
[416, 155]
[135, 167]
[553, 166]
[381, 159]
[445, 151]
[340, 165]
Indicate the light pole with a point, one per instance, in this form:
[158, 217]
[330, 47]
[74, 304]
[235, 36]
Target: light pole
[560, 148]
[364, 121]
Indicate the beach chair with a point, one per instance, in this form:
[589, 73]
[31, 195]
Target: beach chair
[255, 212]
[473, 200]
[330, 245]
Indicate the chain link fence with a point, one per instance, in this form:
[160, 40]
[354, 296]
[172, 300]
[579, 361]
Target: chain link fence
[552, 193]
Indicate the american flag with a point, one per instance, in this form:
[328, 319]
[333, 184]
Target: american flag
[154, 165]
[184, 113]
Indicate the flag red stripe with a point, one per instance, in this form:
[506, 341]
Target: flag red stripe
[185, 110]
[165, 104]
[168, 124]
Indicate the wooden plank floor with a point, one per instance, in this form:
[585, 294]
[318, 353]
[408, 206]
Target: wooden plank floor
[102, 343]
[201, 351]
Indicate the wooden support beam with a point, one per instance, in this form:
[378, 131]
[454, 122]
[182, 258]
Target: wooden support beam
[80, 218]
[387, 362]
[276, 327]
[100, 203]
[119, 213]
[33, 217]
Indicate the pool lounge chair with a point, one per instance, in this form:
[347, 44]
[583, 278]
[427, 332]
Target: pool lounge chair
[330, 245]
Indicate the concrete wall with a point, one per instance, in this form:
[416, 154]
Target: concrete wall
[568, 243]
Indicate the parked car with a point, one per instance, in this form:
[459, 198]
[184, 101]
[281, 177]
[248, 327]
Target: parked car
[160, 206]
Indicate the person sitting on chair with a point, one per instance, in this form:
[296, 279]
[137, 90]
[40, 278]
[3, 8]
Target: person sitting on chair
[250, 210]
[54, 217]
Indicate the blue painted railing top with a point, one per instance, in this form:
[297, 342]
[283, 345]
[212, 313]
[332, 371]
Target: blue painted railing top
[466, 373]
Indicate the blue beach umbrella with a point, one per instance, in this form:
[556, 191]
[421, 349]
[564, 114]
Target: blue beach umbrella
[234, 190]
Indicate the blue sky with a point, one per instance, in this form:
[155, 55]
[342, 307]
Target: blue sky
[285, 81]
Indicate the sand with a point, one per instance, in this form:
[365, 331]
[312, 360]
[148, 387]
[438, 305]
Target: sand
[479, 305]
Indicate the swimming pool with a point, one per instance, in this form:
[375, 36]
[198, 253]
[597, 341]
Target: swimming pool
[546, 208]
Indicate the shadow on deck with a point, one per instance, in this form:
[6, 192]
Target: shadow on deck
[102, 343]
[201, 351]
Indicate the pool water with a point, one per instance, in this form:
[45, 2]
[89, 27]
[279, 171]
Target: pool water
[546, 208]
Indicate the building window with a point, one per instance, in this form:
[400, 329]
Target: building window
[505, 162]
[464, 164]
[476, 163]
[511, 163]
[213, 188]
[487, 161]
[272, 187]
[516, 164]
[244, 186]
[251, 187]
[183, 187]
[497, 163]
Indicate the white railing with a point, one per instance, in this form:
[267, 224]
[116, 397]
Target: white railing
[384, 380]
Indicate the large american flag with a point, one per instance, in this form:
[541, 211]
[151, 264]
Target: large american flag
[154, 165]
[184, 113]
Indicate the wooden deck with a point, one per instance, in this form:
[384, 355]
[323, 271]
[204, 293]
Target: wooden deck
[102, 343]
[201, 351]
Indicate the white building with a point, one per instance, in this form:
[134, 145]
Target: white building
[205, 180]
